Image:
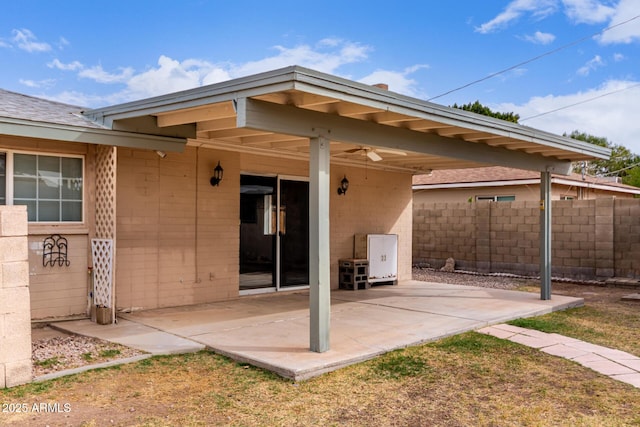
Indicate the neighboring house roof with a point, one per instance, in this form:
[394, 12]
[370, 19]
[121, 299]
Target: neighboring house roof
[31, 117]
[498, 176]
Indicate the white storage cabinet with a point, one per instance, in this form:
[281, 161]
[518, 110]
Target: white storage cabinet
[382, 252]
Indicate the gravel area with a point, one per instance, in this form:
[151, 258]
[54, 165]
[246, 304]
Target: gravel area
[64, 351]
[497, 280]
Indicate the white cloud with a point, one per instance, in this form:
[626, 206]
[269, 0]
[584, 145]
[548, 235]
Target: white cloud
[592, 64]
[618, 57]
[27, 41]
[398, 81]
[172, 75]
[540, 38]
[587, 11]
[625, 33]
[607, 111]
[46, 83]
[72, 66]
[85, 100]
[97, 74]
[326, 56]
[514, 10]
[62, 43]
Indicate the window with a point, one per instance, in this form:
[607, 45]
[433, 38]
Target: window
[496, 198]
[50, 186]
[3, 179]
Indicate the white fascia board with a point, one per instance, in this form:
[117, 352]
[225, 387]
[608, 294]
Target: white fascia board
[60, 132]
[476, 184]
[554, 180]
[597, 186]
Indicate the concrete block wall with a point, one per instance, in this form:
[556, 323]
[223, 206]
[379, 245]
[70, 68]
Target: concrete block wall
[15, 311]
[178, 237]
[626, 238]
[592, 239]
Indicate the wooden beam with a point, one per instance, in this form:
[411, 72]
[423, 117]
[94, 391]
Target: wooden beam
[276, 118]
[216, 124]
[194, 115]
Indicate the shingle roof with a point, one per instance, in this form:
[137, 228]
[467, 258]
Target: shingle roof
[499, 173]
[18, 106]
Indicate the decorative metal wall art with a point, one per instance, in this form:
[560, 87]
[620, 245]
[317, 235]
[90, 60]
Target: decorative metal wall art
[55, 251]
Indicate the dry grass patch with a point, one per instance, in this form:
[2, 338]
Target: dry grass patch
[605, 319]
[469, 379]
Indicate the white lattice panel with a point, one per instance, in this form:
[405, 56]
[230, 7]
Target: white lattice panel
[102, 253]
[106, 192]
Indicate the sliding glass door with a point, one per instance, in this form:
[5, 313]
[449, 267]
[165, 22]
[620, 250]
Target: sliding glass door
[274, 233]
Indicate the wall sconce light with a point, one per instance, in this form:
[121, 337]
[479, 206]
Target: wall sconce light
[161, 154]
[344, 186]
[217, 175]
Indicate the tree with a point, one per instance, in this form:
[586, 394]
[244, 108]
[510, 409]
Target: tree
[478, 108]
[623, 163]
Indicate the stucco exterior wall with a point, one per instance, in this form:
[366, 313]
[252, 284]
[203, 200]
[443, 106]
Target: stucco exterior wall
[60, 291]
[178, 237]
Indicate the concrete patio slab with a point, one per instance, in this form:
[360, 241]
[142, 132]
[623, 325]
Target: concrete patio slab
[131, 334]
[272, 331]
[609, 367]
[633, 379]
[564, 351]
[496, 332]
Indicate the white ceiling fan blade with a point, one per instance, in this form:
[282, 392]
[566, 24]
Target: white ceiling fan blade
[373, 156]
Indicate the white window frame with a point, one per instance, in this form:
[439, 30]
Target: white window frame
[9, 171]
[495, 198]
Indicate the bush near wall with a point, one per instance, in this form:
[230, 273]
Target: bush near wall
[591, 239]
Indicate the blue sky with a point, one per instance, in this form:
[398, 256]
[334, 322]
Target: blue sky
[103, 53]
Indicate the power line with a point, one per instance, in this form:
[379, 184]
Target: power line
[535, 58]
[580, 102]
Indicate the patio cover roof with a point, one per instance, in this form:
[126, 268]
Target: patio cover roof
[295, 112]
[275, 113]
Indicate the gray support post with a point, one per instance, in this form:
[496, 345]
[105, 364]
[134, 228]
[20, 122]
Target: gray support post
[545, 235]
[319, 253]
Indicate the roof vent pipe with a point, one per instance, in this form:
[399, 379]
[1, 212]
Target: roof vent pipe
[382, 86]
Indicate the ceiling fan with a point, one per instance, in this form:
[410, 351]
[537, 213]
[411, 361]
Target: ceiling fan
[372, 153]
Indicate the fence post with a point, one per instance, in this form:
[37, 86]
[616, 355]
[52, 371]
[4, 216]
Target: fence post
[605, 248]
